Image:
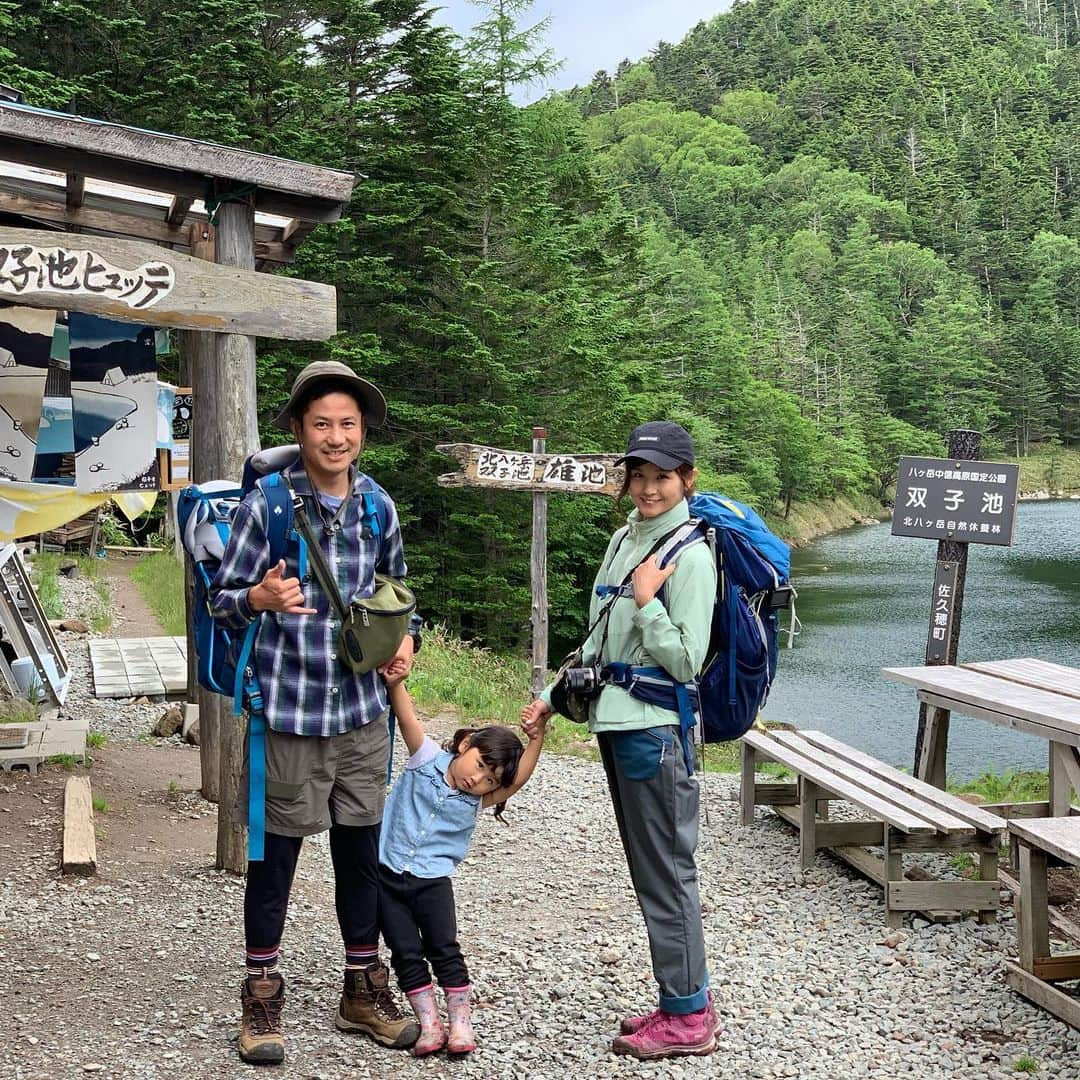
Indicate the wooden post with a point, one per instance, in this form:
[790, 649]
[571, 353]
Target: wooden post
[230, 406]
[538, 571]
[198, 356]
[932, 734]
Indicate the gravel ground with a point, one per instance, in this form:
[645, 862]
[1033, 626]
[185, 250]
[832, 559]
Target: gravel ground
[135, 973]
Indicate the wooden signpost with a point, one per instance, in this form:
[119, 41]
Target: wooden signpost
[957, 501]
[134, 281]
[540, 473]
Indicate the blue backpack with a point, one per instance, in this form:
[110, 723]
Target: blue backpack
[205, 517]
[753, 568]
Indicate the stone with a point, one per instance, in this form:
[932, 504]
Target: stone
[169, 723]
[74, 626]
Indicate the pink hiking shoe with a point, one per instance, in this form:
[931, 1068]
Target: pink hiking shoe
[633, 1024]
[669, 1035]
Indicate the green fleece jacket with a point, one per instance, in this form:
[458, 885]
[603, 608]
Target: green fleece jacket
[673, 636]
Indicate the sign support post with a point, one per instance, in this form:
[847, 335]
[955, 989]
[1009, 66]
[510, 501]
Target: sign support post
[932, 733]
[538, 577]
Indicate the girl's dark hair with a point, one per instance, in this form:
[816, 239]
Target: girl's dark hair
[686, 473]
[500, 750]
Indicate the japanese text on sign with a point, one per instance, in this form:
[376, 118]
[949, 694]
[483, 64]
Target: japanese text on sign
[968, 501]
[501, 465]
[941, 617]
[25, 270]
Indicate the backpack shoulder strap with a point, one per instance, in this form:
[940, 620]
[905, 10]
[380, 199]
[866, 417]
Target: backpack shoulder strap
[694, 532]
[279, 514]
[376, 512]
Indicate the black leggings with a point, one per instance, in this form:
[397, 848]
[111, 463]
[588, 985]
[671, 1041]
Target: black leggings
[420, 925]
[354, 851]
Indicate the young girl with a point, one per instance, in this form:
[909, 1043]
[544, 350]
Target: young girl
[654, 798]
[427, 824]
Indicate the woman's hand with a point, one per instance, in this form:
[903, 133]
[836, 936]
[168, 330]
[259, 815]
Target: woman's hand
[534, 718]
[648, 578]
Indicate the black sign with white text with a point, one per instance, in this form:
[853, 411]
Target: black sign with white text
[972, 502]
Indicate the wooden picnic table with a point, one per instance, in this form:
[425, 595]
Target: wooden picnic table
[1029, 695]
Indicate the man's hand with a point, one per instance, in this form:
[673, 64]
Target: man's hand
[534, 718]
[278, 593]
[397, 668]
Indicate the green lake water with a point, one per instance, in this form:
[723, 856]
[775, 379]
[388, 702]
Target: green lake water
[864, 601]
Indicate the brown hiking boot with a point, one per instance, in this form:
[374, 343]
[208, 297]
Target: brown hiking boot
[261, 1042]
[368, 1006]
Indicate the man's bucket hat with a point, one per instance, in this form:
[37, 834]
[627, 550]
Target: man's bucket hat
[372, 402]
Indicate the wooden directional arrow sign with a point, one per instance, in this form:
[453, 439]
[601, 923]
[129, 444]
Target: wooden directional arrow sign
[485, 466]
[137, 282]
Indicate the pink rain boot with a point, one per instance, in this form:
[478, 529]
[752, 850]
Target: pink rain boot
[462, 1040]
[432, 1033]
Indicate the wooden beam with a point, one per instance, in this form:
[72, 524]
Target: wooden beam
[136, 226]
[76, 190]
[1062, 1005]
[133, 145]
[178, 181]
[189, 294]
[80, 850]
[174, 216]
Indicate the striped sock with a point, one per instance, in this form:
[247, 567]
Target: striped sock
[361, 956]
[262, 962]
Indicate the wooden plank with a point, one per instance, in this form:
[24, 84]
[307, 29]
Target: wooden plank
[963, 687]
[1039, 673]
[1032, 930]
[978, 817]
[1059, 836]
[832, 834]
[80, 849]
[839, 763]
[1019, 810]
[96, 218]
[178, 210]
[1064, 927]
[776, 794]
[488, 466]
[1052, 733]
[870, 866]
[75, 191]
[901, 819]
[958, 895]
[1063, 1006]
[1057, 968]
[808, 795]
[747, 787]
[199, 296]
[153, 178]
[134, 145]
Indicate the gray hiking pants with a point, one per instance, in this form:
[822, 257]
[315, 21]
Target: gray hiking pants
[656, 808]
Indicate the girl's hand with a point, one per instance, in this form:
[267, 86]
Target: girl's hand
[534, 718]
[648, 578]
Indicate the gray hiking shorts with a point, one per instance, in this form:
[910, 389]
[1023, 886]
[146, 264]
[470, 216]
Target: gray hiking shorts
[314, 781]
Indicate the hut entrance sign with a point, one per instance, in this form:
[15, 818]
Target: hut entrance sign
[26, 270]
[538, 472]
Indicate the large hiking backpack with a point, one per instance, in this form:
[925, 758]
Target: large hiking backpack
[753, 568]
[204, 517]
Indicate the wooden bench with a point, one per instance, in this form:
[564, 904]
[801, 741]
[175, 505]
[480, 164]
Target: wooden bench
[1038, 969]
[905, 815]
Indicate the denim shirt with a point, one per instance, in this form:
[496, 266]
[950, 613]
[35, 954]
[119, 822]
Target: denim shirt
[427, 824]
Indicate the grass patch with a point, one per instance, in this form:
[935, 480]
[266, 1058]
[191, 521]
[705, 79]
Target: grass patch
[18, 711]
[100, 805]
[1006, 787]
[45, 577]
[160, 581]
[65, 761]
[96, 739]
[1055, 469]
[1026, 1064]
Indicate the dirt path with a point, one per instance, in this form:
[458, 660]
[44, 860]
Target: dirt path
[131, 615]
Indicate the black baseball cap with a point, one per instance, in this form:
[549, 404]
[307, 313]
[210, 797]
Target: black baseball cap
[662, 443]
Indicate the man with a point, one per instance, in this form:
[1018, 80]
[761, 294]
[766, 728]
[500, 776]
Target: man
[327, 742]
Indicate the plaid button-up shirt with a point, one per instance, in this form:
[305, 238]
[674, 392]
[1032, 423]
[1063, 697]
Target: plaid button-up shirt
[306, 689]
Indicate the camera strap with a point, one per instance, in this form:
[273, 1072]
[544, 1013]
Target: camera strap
[315, 555]
[614, 595]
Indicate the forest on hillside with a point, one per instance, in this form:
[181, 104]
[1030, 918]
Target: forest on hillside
[819, 233]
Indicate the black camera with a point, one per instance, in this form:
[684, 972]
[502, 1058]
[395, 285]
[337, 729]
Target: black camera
[587, 681]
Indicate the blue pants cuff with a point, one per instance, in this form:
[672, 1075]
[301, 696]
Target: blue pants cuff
[680, 1006]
